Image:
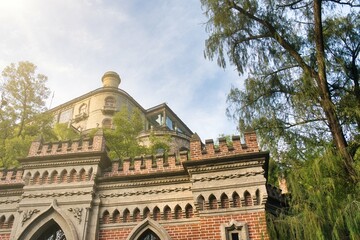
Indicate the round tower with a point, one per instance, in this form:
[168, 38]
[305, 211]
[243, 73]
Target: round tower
[111, 79]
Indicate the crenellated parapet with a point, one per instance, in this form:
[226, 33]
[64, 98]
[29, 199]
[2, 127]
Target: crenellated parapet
[198, 150]
[10, 176]
[148, 164]
[95, 144]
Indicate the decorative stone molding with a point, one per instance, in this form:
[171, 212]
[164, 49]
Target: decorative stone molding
[77, 213]
[46, 195]
[230, 176]
[227, 166]
[144, 183]
[8, 201]
[27, 215]
[144, 192]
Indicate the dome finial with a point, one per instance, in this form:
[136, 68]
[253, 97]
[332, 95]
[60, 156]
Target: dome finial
[111, 79]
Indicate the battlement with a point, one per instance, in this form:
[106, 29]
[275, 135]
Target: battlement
[8, 176]
[39, 148]
[200, 151]
[148, 164]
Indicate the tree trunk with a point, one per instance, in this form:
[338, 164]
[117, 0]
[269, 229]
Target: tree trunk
[326, 102]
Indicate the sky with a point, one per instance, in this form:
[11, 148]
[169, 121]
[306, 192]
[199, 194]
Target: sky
[157, 48]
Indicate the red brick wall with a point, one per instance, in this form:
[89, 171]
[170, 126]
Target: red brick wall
[5, 236]
[207, 228]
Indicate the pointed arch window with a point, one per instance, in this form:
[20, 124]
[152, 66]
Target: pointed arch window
[167, 213]
[224, 201]
[54, 232]
[36, 179]
[156, 213]
[247, 199]
[45, 178]
[213, 202]
[201, 202]
[136, 215]
[178, 212]
[54, 177]
[236, 199]
[148, 235]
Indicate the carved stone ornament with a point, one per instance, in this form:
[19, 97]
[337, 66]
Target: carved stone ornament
[231, 176]
[77, 213]
[28, 214]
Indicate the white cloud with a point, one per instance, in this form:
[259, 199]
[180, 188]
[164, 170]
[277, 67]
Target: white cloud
[155, 46]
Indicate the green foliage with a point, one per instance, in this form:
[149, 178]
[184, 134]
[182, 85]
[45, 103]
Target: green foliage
[323, 204]
[302, 96]
[62, 132]
[159, 144]
[284, 98]
[122, 140]
[23, 95]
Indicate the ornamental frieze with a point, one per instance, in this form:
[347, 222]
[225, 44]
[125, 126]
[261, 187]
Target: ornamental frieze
[230, 176]
[60, 194]
[144, 192]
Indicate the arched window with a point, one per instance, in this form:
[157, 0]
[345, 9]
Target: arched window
[126, 216]
[109, 101]
[2, 222]
[63, 176]
[258, 197]
[146, 213]
[106, 217]
[10, 221]
[201, 202]
[178, 212]
[116, 216]
[136, 215]
[53, 232]
[247, 199]
[72, 177]
[82, 109]
[148, 235]
[167, 213]
[45, 178]
[236, 199]
[213, 202]
[82, 175]
[27, 178]
[106, 123]
[54, 177]
[189, 211]
[156, 214]
[224, 201]
[90, 174]
[36, 179]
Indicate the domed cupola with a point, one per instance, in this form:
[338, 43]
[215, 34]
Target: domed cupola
[111, 79]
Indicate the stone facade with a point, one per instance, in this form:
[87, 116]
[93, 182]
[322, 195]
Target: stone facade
[206, 193]
[97, 108]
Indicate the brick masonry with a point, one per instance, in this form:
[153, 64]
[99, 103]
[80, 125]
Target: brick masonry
[201, 194]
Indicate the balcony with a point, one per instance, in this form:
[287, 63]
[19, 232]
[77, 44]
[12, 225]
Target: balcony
[81, 116]
[108, 109]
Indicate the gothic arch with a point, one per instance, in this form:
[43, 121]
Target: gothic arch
[148, 224]
[53, 215]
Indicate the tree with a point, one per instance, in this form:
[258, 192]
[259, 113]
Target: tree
[122, 139]
[23, 95]
[302, 97]
[302, 90]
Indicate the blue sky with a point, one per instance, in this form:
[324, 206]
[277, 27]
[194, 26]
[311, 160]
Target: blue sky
[155, 46]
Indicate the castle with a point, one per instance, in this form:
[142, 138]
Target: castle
[72, 190]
